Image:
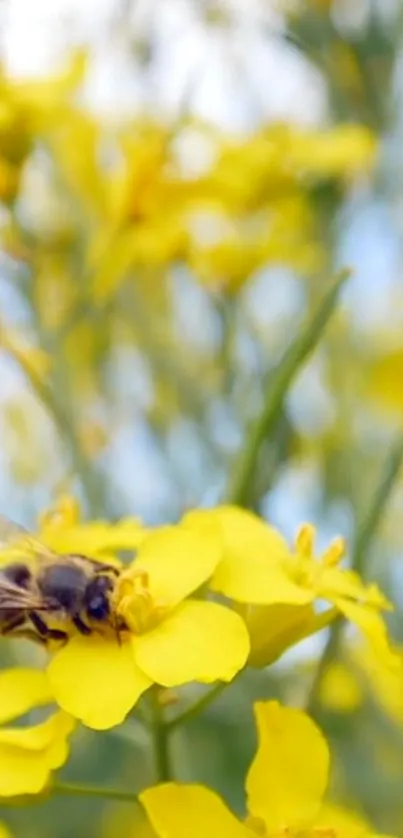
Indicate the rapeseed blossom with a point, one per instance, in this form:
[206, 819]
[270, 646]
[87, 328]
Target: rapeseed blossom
[172, 639]
[285, 788]
[29, 754]
[260, 569]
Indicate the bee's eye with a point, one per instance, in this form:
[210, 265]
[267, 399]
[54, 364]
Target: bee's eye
[98, 607]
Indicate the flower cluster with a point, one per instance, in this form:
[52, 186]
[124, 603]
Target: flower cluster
[286, 790]
[200, 601]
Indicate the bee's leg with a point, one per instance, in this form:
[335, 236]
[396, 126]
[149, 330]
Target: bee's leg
[81, 626]
[44, 631]
[14, 623]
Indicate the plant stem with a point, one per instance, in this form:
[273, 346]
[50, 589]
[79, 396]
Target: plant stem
[91, 482]
[378, 503]
[197, 706]
[365, 532]
[160, 735]
[81, 790]
[289, 366]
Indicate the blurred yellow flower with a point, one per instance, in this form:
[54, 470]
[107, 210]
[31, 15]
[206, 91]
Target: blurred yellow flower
[259, 568]
[4, 831]
[29, 754]
[32, 360]
[172, 640]
[384, 382]
[386, 686]
[62, 529]
[340, 690]
[343, 152]
[285, 788]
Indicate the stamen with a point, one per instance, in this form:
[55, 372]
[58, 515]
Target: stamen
[134, 602]
[334, 553]
[305, 540]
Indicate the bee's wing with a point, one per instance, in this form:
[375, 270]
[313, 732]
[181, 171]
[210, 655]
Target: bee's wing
[14, 535]
[14, 598]
[10, 532]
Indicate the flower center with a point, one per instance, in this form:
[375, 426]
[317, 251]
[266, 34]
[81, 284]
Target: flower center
[303, 567]
[134, 602]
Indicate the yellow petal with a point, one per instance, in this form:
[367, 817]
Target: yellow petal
[289, 774]
[386, 683]
[200, 641]
[344, 822]
[28, 755]
[274, 628]
[346, 583]
[94, 539]
[373, 628]
[190, 811]
[21, 690]
[96, 680]
[251, 567]
[178, 561]
[4, 831]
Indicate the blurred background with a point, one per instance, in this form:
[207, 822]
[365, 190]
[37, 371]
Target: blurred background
[179, 181]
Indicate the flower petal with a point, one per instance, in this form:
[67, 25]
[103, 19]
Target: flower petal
[177, 811]
[274, 628]
[96, 680]
[373, 628]
[334, 581]
[251, 568]
[289, 774]
[200, 641]
[4, 831]
[21, 690]
[178, 561]
[96, 539]
[28, 755]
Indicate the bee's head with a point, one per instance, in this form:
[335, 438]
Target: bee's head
[97, 598]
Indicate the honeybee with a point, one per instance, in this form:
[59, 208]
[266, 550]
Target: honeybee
[74, 590]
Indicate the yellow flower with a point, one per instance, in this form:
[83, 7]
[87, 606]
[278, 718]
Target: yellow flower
[383, 382]
[171, 640]
[285, 788]
[4, 831]
[259, 568]
[32, 360]
[274, 628]
[340, 689]
[62, 529]
[343, 152]
[28, 755]
[386, 686]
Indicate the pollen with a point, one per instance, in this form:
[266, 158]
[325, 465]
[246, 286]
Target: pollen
[134, 602]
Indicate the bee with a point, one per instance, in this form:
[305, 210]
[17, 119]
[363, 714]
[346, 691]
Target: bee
[72, 589]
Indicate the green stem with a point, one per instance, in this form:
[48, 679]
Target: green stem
[160, 734]
[329, 653]
[197, 707]
[296, 355]
[378, 504]
[365, 533]
[91, 482]
[81, 790]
